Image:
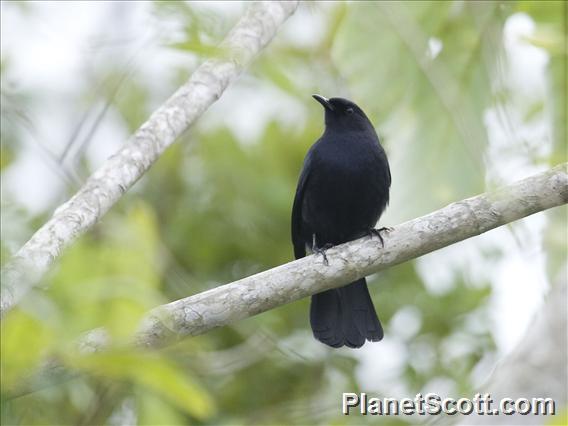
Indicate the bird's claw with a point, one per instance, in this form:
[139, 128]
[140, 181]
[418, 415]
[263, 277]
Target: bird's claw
[322, 250]
[377, 232]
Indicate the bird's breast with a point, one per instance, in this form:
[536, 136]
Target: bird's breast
[346, 193]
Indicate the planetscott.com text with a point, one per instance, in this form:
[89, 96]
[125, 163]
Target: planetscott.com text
[433, 404]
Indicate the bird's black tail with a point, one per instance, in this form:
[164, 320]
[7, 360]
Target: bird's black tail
[345, 316]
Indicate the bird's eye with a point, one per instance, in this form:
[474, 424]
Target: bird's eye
[349, 110]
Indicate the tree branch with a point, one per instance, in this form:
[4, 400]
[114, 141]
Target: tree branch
[292, 281]
[258, 293]
[107, 185]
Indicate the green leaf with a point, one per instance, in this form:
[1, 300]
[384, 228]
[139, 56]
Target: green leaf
[111, 280]
[25, 340]
[154, 410]
[199, 48]
[154, 373]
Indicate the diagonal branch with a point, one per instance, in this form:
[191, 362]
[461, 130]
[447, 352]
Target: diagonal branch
[106, 186]
[270, 289]
[292, 281]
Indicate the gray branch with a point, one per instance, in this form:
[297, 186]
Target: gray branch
[292, 281]
[107, 185]
[267, 290]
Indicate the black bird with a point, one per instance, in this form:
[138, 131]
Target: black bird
[342, 191]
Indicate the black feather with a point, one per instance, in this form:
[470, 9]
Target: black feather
[342, 191]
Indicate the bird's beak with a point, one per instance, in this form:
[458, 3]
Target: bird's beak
[324, 101]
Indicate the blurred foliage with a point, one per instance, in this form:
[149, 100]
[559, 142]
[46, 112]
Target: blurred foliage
[439, 96]
[215, 209]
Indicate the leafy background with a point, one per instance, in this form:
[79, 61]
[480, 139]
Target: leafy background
[465, 96]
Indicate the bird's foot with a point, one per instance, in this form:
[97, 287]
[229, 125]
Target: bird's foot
[322, 250]
[377, 232]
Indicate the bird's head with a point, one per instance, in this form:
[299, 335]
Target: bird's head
[343, 114]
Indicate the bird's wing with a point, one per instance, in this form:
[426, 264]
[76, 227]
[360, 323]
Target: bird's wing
[384, 160]
[297, 241]
[388, 172]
